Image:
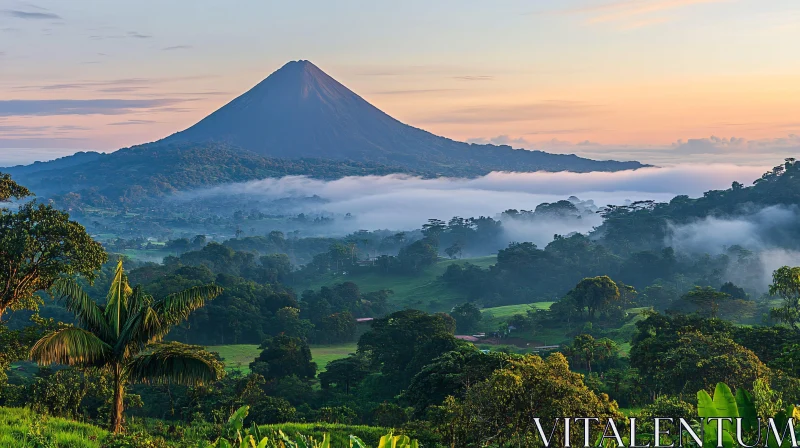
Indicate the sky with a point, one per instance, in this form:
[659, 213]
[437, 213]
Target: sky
[661, 81]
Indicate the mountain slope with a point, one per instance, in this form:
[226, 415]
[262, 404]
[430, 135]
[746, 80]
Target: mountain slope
[132, 175]
[300, 111]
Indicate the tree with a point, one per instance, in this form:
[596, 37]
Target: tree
[734, 291]
[596, 294]
[500, 410]
[345, 373]
[337, 327]
[706, 300]
[467, 316]
[283, 356]
[123, 338]
[452, 374]
[675, 358]
[10, 189]
[402, 343]
[786, 285]
[288, 321]
[454, 250]
[38, 244]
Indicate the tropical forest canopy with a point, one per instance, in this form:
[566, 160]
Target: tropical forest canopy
[133, 327]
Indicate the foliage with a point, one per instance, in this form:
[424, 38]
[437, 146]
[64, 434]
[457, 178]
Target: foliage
[123, 338]
[10, 189]
[24, 428]
[235, 435]
[283, 356]
[402, 343]
[38, 243]
[694, 361]
[500, 410]
[786, 285]
[467, 317]
[451, 374]
[588, 349]
[596, 294]
[706, 301]
[345, 373]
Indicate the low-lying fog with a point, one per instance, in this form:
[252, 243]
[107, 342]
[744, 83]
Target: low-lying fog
[399, 202]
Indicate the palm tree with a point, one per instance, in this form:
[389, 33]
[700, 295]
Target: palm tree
[123, 338]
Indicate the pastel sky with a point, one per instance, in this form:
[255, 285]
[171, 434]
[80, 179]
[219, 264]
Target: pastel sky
[655, 80]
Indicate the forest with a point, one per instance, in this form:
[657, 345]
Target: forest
[445, 336]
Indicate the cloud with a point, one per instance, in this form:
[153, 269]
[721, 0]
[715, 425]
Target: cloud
[717, 146]
[128, 35]
[766, 232]
[31, 15]
[24, 131]
[112, 85]
[132, 123]
[177, 47]
[711, 149]
[414, 91]
[500, 140]
[402, 202]
[137, 35]
[474, 78]
[542, 110]
[631, 14]
[10, 108]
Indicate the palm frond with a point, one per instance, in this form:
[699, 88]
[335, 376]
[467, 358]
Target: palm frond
[90, 316]
[175, 363]
[72, 346]
[143, 328]
[175, 308]
[138, 300]
[117, 299]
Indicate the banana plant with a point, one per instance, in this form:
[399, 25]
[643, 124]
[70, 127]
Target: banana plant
[781, 420]
[387, 441]
[723, 405]
[235, 436]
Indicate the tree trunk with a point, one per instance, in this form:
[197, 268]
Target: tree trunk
[119, 401]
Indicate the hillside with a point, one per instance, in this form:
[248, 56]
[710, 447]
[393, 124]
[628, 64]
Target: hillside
[131, 175]
[424, 291]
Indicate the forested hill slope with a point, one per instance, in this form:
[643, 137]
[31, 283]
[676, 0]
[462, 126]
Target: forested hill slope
[646, 225]
[131, 175]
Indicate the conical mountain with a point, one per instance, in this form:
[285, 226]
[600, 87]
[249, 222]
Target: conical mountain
[301, 112]
[298, 112]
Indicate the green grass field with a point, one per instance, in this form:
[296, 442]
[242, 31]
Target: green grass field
[504, 312]
[239, 356]
[424, 291]
[17, 430]
[154, 255]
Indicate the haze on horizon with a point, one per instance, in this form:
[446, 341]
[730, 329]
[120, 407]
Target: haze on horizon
[651, 80]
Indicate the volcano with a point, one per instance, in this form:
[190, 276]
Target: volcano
[301, 112]
[298, 121]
